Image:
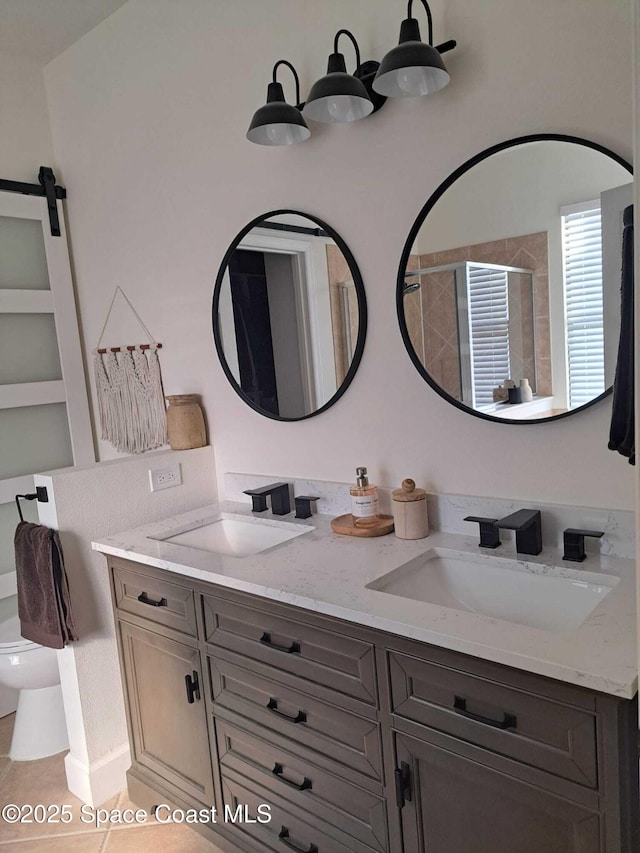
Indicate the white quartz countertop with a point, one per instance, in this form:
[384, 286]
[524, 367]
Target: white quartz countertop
[327, 573]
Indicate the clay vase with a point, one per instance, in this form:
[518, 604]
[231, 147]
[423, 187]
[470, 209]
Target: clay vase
[185, 422]
[525, 391]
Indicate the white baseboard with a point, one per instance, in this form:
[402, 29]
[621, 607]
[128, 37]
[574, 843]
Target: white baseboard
[97, 782]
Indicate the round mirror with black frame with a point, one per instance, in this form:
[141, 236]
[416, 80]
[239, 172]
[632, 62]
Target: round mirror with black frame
[508, 292]
[289, 315]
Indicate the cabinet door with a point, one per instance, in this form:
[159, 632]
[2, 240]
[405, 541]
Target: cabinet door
[168, 732]
[455, 805]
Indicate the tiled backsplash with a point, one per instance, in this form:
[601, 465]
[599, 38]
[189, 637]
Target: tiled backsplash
[446, 512]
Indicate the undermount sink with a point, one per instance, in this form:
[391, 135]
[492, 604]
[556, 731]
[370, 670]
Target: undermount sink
[234, 535]
[546, 597]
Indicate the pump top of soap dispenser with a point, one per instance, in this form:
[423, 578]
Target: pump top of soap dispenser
[362, 479]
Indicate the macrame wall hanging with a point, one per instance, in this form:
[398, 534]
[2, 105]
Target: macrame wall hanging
[129, 388]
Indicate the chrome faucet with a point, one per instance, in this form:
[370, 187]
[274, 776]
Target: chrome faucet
[527, 524]
[280, 500]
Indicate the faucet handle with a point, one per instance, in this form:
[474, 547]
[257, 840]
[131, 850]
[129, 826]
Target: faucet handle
[258, 499]
[489, 533]
[303, 505]
[573, 538]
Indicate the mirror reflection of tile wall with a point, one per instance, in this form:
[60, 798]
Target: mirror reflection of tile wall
[431, 317]
[344, 310]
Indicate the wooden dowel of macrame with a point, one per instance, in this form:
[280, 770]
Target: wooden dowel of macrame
[129, 349]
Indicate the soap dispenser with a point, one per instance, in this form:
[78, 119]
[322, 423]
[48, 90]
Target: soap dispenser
[364, 500]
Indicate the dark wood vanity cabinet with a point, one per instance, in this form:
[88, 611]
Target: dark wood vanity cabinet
[168, 732]
[459, 804]
[162, 679]
[489, 758]
[358, 740]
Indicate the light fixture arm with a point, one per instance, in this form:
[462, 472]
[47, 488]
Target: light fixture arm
[446, 46]
[293, 71]
[353, 41]
[429, 18]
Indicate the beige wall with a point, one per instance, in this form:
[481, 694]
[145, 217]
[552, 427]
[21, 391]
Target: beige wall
[149, 112]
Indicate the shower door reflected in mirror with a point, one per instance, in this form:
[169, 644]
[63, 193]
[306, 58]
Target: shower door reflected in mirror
[289, 315]
[474, 326]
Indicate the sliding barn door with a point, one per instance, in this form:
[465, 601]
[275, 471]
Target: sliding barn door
[44, 412]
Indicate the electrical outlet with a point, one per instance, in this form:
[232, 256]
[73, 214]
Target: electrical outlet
[165, 478]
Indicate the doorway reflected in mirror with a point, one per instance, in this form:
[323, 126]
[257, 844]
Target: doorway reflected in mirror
[289, 315]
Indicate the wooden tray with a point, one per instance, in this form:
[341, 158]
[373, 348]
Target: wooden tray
[344, 524]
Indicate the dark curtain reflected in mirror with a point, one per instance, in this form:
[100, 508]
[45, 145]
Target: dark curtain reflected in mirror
[252, 325]
[289, 315]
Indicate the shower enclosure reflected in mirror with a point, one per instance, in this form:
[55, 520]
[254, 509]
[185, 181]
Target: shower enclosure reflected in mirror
[512, 272]
[289, 315]
[481, 295]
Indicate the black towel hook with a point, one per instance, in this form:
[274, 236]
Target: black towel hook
[41, 495]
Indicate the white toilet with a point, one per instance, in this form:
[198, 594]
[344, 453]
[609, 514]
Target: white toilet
[40, 727]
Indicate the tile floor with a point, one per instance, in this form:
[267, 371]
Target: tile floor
[44, 782]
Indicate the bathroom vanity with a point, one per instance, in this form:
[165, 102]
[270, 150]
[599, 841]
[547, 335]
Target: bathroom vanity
[365, 720]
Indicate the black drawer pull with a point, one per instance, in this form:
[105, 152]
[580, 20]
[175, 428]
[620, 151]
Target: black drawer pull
[402, 779]
[283, 836]
[293, 649]
[278, 771]
[300, 717]
[143, 598]
[193, 687]
[509, 721]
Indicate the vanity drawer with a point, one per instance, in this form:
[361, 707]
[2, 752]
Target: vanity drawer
[288, 829]
[321, 656]
[357, 812]
[349, 741]
[538, 731]
[156, 600]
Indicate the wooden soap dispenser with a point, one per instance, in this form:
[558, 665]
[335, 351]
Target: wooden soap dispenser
[410, 511]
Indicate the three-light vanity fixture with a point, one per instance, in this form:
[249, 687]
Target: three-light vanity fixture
[411, 69]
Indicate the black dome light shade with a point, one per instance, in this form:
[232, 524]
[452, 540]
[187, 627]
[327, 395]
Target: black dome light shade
[338, 97]
[277, 122]
[413, 68]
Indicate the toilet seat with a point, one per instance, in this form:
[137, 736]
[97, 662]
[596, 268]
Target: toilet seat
[10, 640]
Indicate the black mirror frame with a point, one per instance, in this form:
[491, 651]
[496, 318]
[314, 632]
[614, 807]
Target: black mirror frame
[362, 312]
[444, 186]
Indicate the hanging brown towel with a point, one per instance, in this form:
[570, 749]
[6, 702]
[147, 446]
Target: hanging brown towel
[622, 433]
[44, 606]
